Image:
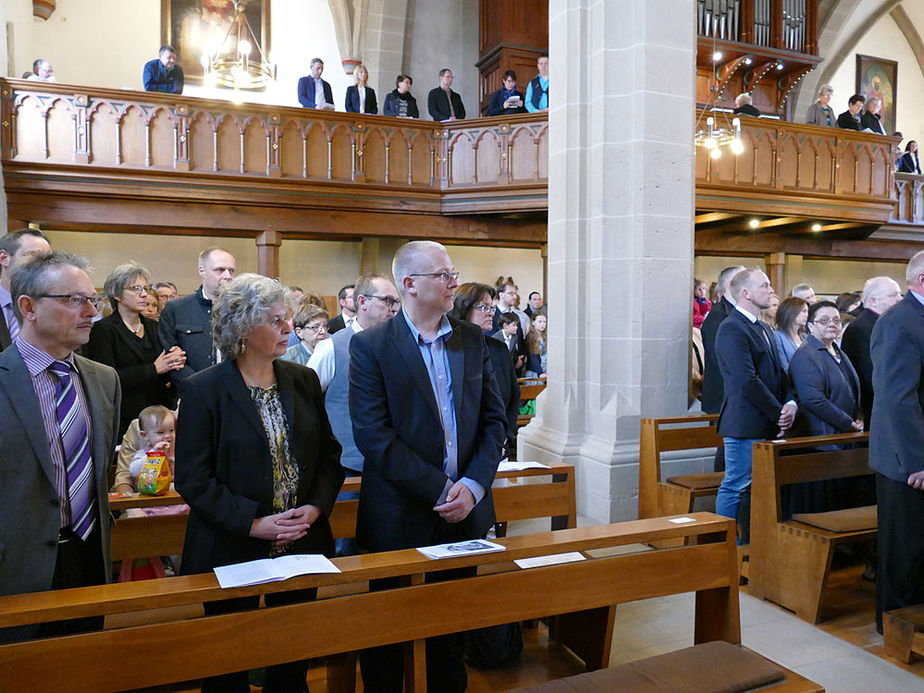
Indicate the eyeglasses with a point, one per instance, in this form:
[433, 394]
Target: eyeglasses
[824, 322]
[75, 301]
[387, 300]
[314, 328]
[138, 289]
[444, 277]
[485, 308]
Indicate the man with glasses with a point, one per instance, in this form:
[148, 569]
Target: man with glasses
[506, 303]
[15, 248]
[879, 294]
[187, 322]
[430, 424]
[56, 439]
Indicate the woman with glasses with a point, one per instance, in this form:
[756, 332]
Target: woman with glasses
[310, 326]
[127, 341]
[255, 457]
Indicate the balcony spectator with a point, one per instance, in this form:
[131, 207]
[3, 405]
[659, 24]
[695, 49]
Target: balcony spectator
[442, 102]
[909, 161]
[850, 119]
[314, 92]
[163, 74]
[399, 102]
[507, 100]
[537, 91]
[360, 98]
[872, 119]
[820, 113]
[743, 106]
[42, 71]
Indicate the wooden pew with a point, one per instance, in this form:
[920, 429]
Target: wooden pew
[790, 560]
[657, 497]
[187, 649]
[514, 499]
[529, 389]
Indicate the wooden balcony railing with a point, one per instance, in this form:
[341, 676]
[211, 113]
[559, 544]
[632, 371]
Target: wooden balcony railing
[909, 204]
[90, 132]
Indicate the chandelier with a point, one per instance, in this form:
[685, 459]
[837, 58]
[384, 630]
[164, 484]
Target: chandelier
[231, 64]
[719, 131]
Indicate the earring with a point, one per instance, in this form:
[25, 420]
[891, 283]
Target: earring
[243, 346]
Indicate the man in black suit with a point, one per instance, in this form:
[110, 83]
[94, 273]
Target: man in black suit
[879, 294]
[442, 102]
[187, 322]
[850, 119]
[57, 434]
[15, 248]
[758, 401]
[430, 424]
[713, 390]
[896, 445]
[347, 310]
[533, 303]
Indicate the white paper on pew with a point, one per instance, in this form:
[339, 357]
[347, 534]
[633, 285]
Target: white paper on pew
[682, 520]
[507, 466]
[272, 569]
[461, 548]
[554, 559]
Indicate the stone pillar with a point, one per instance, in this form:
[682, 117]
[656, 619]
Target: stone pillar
[620, 248]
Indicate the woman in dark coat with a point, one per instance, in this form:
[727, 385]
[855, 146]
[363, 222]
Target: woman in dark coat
[127, 341]
[255, 457]
[399, 101]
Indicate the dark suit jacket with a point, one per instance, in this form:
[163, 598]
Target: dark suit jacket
[225, 473]
[438, 104]
[336, 323]
[507, 384]
[187, 322]
[873, 122]
[520, 344]
[112, 343]
[748, 110]
[829, 401]
[496, 107]
[29, 516]
[846, 121]
[397, 428]
[856, 345]
[755, 385]
[352, 100]
[713, 389]
[896, 441]
[391, 104]
[306, 92]
[4, 332]
[908, 163]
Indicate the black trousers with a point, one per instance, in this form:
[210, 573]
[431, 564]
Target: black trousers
[900, 574]
[78, 564]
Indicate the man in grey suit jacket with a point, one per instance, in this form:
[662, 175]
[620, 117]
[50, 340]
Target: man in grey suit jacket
[896, 445]
[43, 544]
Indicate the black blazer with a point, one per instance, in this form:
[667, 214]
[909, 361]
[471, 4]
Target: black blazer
[187, 322]
[112, 343]
[397, 428]
[438, 104]
[336, 323]
[874, 122]
[507, 384]
[908, 163]
[748, 110]
[713, 391]
[856, 345]
[496, 107]
[755, 385]
[829, 400]
[846, 121]
[225, 473]
[391, 104]
[896, 438]
[352, 100]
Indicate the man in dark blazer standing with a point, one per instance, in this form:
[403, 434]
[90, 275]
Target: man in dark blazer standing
[15, 248]
[187, 321]
[314, 92]
[430, 424]
[758, 402]
[896, 445]
[54, 504]
[879, 294]
[442, 102]
[713, 390]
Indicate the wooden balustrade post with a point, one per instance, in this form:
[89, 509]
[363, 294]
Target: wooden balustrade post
[776, 268]
[439, 168]
[268, 243]
[504, 147]
[181, 135]
[7, 124]
[358, 135]
[273, 157]
[81, 129]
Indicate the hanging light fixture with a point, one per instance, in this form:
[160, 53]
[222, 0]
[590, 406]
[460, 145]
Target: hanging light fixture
[239, 61]
[718, 130]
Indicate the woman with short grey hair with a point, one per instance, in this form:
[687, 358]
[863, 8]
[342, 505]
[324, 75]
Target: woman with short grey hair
[128, 341]
[820, 112]
[255, 457]
[872, 118]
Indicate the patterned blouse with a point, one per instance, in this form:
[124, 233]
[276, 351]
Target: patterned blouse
[285, 468]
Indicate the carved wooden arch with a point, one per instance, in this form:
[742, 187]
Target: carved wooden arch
[44, 105]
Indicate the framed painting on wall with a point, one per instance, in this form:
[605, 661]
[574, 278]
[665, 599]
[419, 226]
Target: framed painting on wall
[879, 77]
[197, 27]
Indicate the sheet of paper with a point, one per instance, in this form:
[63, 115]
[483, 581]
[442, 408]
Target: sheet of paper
[461, 548]
[272, 569]
[682, 520]
[507, 466]
[554, 559]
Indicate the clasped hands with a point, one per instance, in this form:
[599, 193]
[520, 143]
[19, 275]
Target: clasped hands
[287, 526]
[787, 416]
[172, 360]
[459, 503]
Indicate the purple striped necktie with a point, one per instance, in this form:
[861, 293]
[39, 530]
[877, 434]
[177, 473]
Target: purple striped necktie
[78, 462]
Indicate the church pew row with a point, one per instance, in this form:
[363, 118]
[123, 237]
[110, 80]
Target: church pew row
[790, 560]
[185, 649]
[515, 498]
[529, 390]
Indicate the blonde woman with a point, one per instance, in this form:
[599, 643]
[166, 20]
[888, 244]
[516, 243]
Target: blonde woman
[360, 98]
